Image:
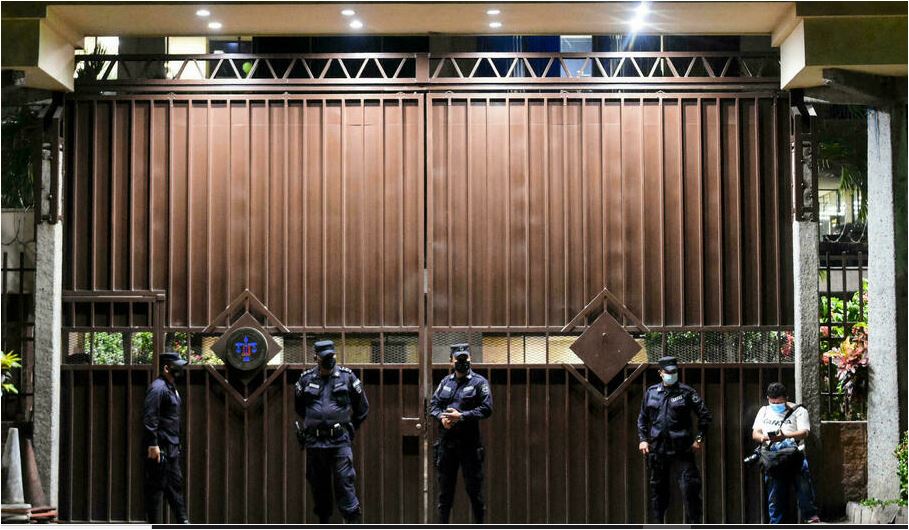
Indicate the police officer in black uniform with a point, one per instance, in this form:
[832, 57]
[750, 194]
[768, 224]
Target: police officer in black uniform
[461, 400]
[664, 430]
[161, 422]
[331, 401]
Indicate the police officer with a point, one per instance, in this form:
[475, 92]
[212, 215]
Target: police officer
[664, 430]
[332, 404]
[161, 422]
[461, 400]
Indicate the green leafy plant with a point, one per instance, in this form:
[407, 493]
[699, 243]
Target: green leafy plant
[8, 362]
[851, 361]
[901, 452]
[104, 347]
[843, 150]
[90, 70]
[142, 347]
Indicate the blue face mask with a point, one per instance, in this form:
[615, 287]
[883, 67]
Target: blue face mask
[779, 408]
[670, 379]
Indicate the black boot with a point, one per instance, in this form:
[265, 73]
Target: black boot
[354, 517]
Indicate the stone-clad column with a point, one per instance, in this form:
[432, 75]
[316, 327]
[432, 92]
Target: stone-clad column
[886, 296]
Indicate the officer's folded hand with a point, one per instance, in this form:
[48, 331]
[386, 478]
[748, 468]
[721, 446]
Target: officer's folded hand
[696, 446]
[644, 447]
[154, 453]
[452, 414]
[446, 422]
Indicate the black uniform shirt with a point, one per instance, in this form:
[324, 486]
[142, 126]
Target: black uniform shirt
[470, 396]
[161, 417]
[325, 401]
[665, 418]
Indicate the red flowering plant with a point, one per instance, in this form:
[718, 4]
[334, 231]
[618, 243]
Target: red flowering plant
[851, 361]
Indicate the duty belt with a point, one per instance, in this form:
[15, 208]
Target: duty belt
[326, 431]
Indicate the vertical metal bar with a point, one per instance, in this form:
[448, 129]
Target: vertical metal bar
[268, 147]
[682, 246]
[776, 216]
[622, 207]
[151, 194]
[661, 104]
[189, 229]
[724, 515]
[130, 194]
[721, 293]
[642, 176]
[470, 221]
[170, 210]
[527, 455]
[230, 196]
[284, 423]
[625, 446]
[208, 462]
[249, 177]
[110, 440]
[70, 440]
[73, 209]
[759, 200]
[546, 198]
[383, 107]
[322, 217]
[526, 223]
[208, 218]
[189, 431]
[284, 221]
[401, 213]
[363, 217]
[265, 438]
[739, 207]
[547, 429]
[487, 302]
[94, 209]
[508, 450]
[701, 286]
[508, 216]
[90, 442]
[565, 189]
[449, 246]
[603, 222]
[129, 439]
[343, 213]
[226, 460]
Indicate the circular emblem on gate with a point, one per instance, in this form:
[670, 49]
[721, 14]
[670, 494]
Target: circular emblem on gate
[247, 349]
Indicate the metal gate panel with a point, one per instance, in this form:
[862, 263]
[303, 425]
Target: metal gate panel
[242, 465]
[313, 203]
[556, 455]
[677, 202]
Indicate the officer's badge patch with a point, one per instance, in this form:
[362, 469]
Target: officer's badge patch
[485, 388]
[358, 387]
[695, 399]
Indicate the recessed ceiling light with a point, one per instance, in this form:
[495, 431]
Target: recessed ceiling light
[348, 12]
[356, 24]
[493, 12]
[642, 10]
[495, 25]
[214, 25]
[203, 13]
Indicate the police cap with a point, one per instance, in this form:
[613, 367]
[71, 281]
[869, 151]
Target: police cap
[324, 348]
[669, 364]
[171, 358]
[459, 349]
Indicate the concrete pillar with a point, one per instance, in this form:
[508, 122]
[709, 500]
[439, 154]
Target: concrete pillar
[807, 357]
[48, 343]
[886, 296]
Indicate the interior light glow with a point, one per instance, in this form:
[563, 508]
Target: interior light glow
[493, 12]
[495, 25]
[203, 13]
[348, 12]
[636, 25]
[214, 25]
[356, 24]
[642, 10]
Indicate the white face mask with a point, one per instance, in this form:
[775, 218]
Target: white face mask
[670, 379]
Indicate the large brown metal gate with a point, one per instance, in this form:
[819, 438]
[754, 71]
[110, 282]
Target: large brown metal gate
[398, 223]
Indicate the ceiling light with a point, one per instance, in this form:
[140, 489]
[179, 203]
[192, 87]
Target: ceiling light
[495, 25]
[348, 12]
[493, 12]
[203, 13]
[636, 25]
[356, 24]
[642, 10]
[214, 25]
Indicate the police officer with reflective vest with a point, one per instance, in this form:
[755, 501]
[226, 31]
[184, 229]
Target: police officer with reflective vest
[161, 437]
[331, 401]
[461, 400]
[664, 430]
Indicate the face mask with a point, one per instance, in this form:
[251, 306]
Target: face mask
[328, 363]
[175, 371]
[462, 366]
[670, 379]
[779, 408]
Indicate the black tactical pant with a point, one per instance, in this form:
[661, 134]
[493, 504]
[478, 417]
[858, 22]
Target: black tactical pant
[661, 466]
[449, 455]
[164, 480]
[330, 473]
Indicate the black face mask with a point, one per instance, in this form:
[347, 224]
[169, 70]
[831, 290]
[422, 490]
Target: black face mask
[175, 371]
[462, 366]
[328, 363]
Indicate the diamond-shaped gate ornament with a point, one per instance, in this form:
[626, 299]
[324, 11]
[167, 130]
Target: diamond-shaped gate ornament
[246, 347]
[605, 347]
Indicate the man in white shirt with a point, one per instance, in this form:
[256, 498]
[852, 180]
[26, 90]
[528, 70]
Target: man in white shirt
[770, 429]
